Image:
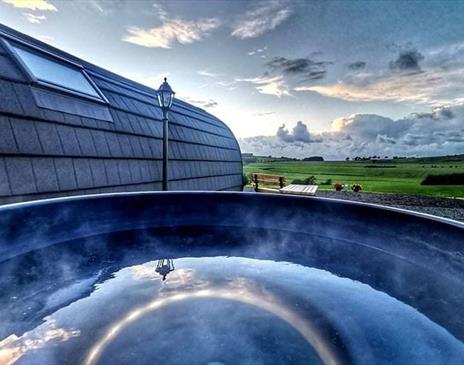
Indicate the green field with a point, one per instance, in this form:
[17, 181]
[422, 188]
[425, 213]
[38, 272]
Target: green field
[391, 176]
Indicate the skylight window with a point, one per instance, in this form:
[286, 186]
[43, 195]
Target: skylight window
[47, 70]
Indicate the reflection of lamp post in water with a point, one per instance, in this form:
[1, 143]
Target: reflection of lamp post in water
[164, 267]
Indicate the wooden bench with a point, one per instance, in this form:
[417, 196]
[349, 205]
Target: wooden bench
[294, 189]
[268, 180]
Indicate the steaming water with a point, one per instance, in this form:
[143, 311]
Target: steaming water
[101, 301]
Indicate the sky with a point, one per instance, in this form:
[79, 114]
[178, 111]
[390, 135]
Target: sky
[290, 78]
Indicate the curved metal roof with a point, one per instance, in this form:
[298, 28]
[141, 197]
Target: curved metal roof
[55, 142]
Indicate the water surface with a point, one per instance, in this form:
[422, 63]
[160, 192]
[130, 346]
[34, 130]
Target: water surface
[103, 301]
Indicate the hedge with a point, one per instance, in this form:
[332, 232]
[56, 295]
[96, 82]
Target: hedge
[444, 179]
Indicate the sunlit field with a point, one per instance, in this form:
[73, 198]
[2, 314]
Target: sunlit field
[393, 176]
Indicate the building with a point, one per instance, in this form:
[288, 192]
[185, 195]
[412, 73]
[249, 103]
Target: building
[248, 158]
[68, 127]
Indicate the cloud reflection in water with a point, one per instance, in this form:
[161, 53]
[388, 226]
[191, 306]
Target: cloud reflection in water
[240, 293]
[14, 347]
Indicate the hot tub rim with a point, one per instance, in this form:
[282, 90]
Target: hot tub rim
[39, 202]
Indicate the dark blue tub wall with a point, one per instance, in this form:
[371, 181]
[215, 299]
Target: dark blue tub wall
[412, 257]
[28, 226]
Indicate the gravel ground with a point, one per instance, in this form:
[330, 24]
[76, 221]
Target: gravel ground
[442, 207]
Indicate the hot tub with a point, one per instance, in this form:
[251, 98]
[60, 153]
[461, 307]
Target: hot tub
[228, 278]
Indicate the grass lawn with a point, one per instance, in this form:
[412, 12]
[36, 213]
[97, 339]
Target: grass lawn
[393, 176]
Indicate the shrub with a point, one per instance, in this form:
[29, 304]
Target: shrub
[444, 179]
[311, 180]
[245, 180]
[356, 188]
[327, 182]
[338, 187]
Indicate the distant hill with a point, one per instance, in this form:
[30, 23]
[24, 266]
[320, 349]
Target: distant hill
[314, 158]
[434, 159]
[400, 159]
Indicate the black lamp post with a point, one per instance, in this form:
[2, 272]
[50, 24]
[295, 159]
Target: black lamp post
[165, 98]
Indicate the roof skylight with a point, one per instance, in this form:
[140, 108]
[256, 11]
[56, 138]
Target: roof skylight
[47, 70]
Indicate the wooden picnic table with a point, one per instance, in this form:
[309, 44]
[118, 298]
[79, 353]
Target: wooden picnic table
[299, 189]
[294, 189]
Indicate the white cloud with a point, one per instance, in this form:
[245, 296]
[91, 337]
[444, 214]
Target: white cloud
[263, 18]
[162, 14]
[299, 133]
[434, 87]
[36, 19]
[217, 79]
[201, 101]
[171, 31]
[437, 81]
[270, 85]
[262, 114]
[206, 73]
[439, 132]
[32, 4]
[107, 7]
[257, 51]
[96, 5]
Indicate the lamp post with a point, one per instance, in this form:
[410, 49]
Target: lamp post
[165, 98]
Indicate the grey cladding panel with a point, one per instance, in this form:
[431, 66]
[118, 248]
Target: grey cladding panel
[125, 145]
[112, 172]
[71, 105]
[156, 128]
[111, 87]
[27, 101]
[146, 169]
[136, 173]
[8, 99]
[22, 180]
[192, 122]
[53, 116]
[65, 173]
[114, 145]
[145, 145]
[83, 173]
[45, 175]
[72, 119]
[26, 136]
[100, 143]
[121, 122]
[7, 139]
[49, 138]
[4, 185]
[117, 101]
[98, 172]
[156, 147]
[124, 172]
[184, 134]
[84, 138]
[135, 124]
[8, 69]
[144, 125]
[136, 146]
[69, 140]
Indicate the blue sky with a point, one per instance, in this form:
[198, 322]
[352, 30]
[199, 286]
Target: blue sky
[290, 78]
